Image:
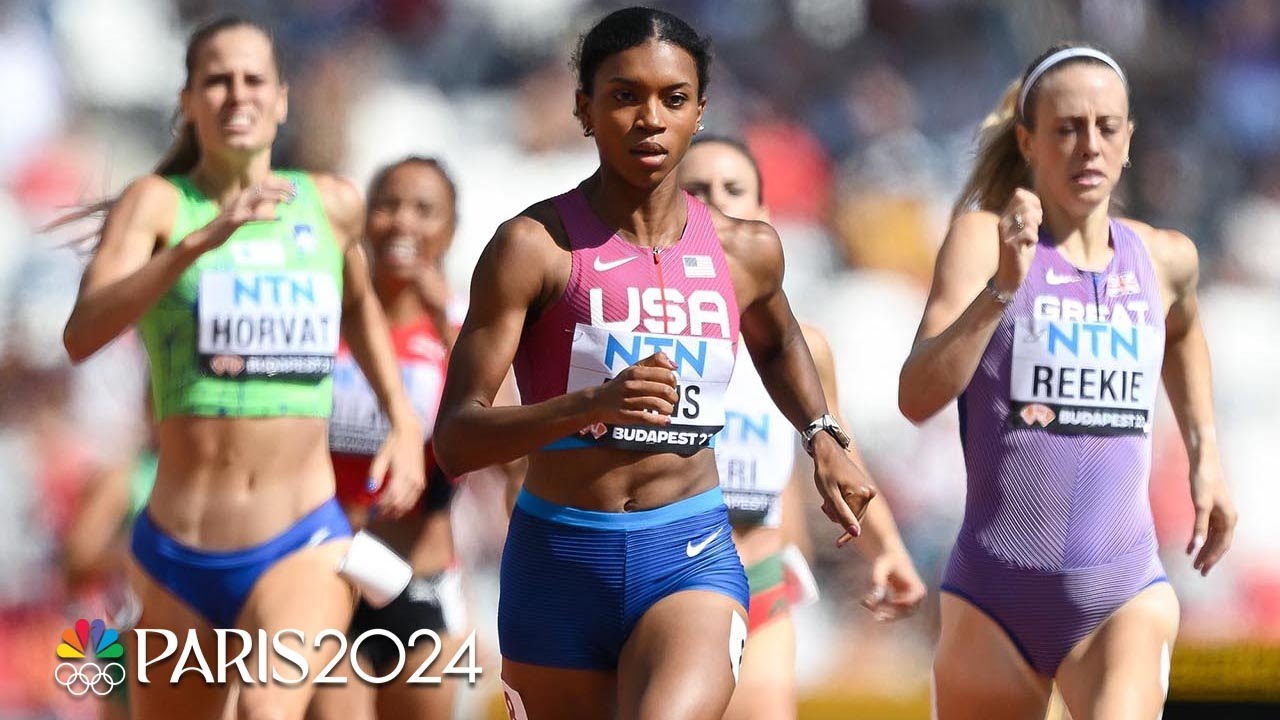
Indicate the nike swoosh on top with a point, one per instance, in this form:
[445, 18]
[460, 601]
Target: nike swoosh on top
[1054, 278]
[692, 550]
[601, 266]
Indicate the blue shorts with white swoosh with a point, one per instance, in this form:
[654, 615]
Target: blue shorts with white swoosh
[216, 583]
[575, 582]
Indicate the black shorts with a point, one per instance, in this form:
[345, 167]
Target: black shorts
[432, 602]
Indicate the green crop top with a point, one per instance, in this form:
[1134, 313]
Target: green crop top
[251, 328]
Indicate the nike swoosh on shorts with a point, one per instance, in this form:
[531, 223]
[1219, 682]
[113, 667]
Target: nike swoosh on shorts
[692, 550]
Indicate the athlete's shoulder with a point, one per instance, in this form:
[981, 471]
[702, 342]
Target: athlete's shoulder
[1171, 252]
[749, 241]
[974, 224]
[537, 228]
[340, 197]
[343, 204]
[151, 189]
[151, 201]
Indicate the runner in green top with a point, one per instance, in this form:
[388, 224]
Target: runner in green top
[239, 277]
[261, 339]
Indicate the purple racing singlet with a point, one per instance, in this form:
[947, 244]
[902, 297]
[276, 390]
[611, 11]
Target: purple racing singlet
[1056, 430]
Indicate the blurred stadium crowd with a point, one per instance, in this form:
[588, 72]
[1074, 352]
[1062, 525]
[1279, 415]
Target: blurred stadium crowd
[862, 113]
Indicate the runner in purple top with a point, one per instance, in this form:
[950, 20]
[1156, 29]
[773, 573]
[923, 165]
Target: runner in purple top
[1051, 323]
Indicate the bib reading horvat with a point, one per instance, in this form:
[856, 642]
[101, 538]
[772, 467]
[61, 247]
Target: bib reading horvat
[281, 323]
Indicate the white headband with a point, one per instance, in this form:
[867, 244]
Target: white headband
[1062, 56]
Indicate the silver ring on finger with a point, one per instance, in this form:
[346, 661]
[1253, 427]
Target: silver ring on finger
[1018, 224]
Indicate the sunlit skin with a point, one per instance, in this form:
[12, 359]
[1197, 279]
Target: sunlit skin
[235, 97]
[1079, 143]
[643, 111]
[410, 222]
[720, 176]
[229, 483]
[1076, 150]
[409, 227]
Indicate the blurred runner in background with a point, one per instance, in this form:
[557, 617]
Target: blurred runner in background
[755, 456]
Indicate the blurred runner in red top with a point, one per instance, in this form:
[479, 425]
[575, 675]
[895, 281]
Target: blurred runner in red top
[411, 220]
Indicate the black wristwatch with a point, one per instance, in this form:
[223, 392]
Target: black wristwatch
[826, 424]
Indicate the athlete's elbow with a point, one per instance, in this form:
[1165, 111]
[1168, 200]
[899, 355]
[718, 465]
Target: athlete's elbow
[911, 410]
[911, 401]
[74, 342]
[449, 451]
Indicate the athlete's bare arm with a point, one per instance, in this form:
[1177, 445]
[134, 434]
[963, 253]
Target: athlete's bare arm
[94, 545]
[959, 319]
[127, 275]
[523, 269]
[1189, 382]
[782, 358]
[896, 588]
[365, 329]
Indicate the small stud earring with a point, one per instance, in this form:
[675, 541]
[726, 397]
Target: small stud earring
[701, 127]
[1127, 163]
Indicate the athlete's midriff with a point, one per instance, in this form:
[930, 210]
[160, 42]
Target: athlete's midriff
[230, 483]
[611, 480]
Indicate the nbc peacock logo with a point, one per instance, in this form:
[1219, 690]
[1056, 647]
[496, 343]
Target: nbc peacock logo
[84, 647]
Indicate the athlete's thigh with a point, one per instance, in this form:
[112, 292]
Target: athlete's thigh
[1121, 670]
[302, 591]
[767, 682]
[353, 700]
[399, 699]
[681, 659]
[978, 672]
[191, 697]
[539, 692]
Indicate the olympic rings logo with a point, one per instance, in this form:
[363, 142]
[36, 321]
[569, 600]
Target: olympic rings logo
[80, 678]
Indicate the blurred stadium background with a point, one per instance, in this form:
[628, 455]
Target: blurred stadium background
[862, 113]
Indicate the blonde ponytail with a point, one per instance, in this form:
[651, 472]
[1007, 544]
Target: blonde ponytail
[999, 167]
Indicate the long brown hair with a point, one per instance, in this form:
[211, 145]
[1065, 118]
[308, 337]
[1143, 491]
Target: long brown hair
[999, 168]
[184, 152]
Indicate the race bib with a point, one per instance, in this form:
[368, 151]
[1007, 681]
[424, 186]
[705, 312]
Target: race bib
[755, 453]
[358, 425]
[1084, 378]
[703, 366]
[268, 324]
